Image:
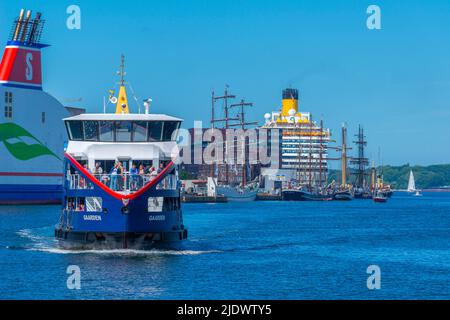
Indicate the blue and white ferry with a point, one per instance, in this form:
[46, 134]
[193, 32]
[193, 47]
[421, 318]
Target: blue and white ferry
[121, 187]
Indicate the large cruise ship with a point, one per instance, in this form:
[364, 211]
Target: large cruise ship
[32, 132]
[303, 146]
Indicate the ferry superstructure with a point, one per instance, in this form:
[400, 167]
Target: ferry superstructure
[303, 146]
[121, 187]
[32, 134]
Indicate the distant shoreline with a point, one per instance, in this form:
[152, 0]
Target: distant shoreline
[428, 190]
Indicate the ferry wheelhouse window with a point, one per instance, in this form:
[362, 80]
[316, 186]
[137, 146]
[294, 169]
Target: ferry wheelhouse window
[106, 131]
[75, 129]
[123, 131]
[140, 131]
[155, 131]
[90, 130]
[170, 127]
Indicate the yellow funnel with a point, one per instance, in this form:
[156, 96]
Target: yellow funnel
[289, 102]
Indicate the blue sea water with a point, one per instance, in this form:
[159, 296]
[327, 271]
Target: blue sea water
[258, 250]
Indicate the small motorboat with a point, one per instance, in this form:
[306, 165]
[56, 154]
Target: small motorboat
[380, 197]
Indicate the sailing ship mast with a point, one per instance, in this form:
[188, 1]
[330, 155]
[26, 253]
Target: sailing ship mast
[226, 120]
[361, 162]
[242, 124]
[374, 175]
[343, 149]
[344, 159]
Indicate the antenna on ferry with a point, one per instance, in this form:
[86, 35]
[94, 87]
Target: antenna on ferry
[122, 72]
[147, 103]
[135, 98]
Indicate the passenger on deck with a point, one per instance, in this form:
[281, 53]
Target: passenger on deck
[134, 177]
[105, 179]
[153, 173]
[98, 171]
[114, 176]
[121, 177]
[141, 175]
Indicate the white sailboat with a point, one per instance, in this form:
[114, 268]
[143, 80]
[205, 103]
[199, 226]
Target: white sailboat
[412, 185]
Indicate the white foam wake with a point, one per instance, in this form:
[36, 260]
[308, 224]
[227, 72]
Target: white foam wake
[49, 245]
[125, 252]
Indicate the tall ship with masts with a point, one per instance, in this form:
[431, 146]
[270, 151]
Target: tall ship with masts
[344, 191]
[32, 134]
[121, 187]
[360, 163]
[235, 184]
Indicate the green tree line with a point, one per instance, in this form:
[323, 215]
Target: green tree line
[426, 177]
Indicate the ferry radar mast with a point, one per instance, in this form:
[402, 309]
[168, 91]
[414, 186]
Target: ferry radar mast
[122, 101]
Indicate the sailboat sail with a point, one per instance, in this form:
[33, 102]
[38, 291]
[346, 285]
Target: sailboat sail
[411, 183]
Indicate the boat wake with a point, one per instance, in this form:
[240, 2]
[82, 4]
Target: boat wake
[126, 252]
[48, 244]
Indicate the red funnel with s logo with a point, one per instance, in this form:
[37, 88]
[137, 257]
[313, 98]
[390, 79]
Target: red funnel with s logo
[21, 62]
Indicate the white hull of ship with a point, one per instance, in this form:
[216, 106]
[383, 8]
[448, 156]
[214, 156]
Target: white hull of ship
[236, 195]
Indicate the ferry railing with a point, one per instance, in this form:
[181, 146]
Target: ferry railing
[125, 182]
[168, 183]
[78, 182]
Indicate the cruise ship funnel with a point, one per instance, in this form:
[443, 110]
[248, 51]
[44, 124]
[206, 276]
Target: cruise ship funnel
[21, 63]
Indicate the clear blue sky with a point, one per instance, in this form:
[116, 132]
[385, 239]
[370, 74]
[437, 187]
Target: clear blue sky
[395, 81]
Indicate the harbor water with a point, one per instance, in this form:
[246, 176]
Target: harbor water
[255, 250]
